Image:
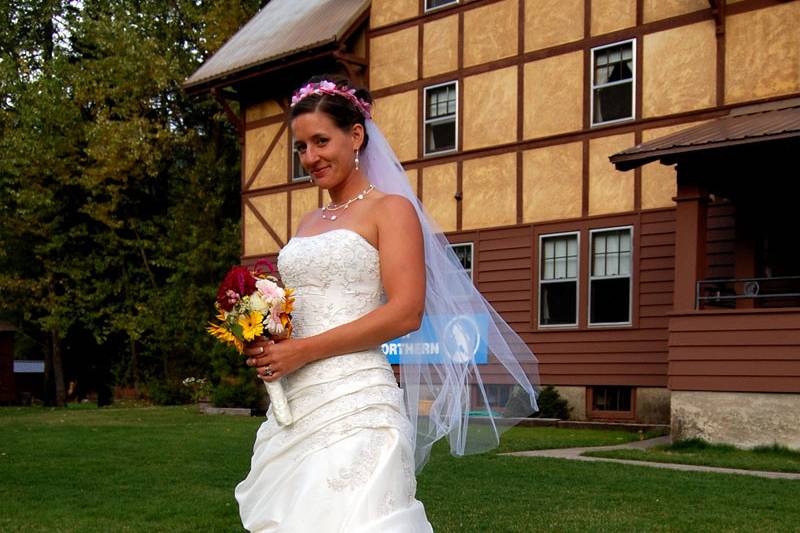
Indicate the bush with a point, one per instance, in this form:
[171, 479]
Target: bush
[244, 393]
[551, 404]
[168, 393]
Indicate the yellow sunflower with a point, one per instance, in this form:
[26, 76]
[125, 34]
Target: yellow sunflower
[252, 325]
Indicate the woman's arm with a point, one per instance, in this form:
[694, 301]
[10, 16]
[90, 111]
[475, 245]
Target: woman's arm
[402, 262]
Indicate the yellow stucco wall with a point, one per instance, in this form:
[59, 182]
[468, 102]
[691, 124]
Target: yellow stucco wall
[267, 108]
[275, 169]
[490, 32]
[383, 12]
[553, 99]
[303, 201]
[490, 108]
[440, 46]
[762, 53]
[612, 15]
[439, 184]
[552, 22]
[552, 182]
[661, 9]
[679, 69]
[610, 191]
[490, 192]
[659, 182]
[393, 114]
[272, 207]
[393, 58]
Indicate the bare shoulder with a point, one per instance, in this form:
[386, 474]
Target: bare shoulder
[395, 209]
[305, 218]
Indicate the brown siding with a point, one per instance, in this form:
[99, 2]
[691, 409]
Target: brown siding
[505, 273]
[735, 350]
[720, 241]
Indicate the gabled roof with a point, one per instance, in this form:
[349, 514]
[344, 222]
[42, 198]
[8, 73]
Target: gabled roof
[280, 29]
[743, 125]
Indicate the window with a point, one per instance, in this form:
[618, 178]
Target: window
[558, 280]
[613, 82]
[617, 399]
[610, 277]
[441, 103]
[298, 172]
[430, 5]
[464, 253]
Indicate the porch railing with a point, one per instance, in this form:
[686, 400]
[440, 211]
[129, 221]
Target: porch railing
[781, 291]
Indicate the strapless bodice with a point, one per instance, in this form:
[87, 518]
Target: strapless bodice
[336, 278]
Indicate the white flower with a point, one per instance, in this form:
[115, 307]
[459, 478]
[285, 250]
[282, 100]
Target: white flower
[257, 303]
[270, 291]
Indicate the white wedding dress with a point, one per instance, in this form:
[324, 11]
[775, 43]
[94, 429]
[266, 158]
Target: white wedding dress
[346, 464]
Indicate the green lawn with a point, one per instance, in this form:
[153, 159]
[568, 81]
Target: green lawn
[697, 452]
[171, 469]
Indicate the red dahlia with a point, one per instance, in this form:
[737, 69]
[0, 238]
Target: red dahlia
[238, 282]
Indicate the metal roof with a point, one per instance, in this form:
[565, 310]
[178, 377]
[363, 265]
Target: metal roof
[280, 29]
[743, 125]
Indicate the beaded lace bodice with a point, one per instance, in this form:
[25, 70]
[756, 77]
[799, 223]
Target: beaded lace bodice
[336, 277]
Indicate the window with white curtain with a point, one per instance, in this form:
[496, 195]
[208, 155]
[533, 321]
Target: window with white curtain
[558, 280]
[441, 105]
[298, 172]
[610, 276]
[613, 78]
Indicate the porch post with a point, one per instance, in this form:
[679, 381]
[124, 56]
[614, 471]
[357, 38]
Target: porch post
[690, 239]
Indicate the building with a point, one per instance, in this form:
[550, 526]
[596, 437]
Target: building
[505, 114]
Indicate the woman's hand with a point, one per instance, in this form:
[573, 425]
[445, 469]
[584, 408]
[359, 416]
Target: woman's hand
[273, 360]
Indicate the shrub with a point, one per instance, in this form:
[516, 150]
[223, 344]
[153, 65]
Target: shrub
[244, 393]
[162, 392]
[551, 404]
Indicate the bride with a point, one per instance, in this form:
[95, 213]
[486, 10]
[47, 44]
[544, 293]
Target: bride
[367, 268]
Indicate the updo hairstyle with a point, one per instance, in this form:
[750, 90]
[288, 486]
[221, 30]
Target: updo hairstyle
[341, 110]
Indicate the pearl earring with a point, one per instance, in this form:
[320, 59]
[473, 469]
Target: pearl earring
[356, 161]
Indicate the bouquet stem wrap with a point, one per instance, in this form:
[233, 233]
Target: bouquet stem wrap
[280, 405]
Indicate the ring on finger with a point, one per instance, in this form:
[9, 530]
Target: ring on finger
[268, 371]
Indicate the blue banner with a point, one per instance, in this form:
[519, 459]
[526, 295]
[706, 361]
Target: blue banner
[463, 338]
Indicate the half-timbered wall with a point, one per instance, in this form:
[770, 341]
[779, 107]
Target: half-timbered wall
[528, 161]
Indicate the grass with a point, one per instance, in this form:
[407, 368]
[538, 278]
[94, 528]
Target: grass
[157, 469]
[699, 452]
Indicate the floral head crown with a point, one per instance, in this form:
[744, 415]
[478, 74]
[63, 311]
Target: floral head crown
[328, 87]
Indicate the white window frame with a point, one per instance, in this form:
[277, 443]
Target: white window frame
[592, 277]
[540, 281]
[447, 4]
[471, 256]
[426, 121]
[592, 87]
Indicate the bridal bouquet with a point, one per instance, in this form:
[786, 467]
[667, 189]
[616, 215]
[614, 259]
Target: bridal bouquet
[251, 304]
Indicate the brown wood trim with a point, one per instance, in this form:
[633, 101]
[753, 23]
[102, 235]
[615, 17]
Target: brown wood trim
[266, 155]
[420, 49]
[720, 38]
[637, 176]
[520, 188]
[585, 178]
[459, 195]
[264, 222]
[236, 120]
[639, 12]
[266, 121]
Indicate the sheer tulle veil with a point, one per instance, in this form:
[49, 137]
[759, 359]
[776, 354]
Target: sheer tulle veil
[465, 374]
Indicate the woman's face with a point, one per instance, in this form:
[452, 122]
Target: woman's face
[326, 151]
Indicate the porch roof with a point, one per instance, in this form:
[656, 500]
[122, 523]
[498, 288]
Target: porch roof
[280, 29]
[743, 125]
